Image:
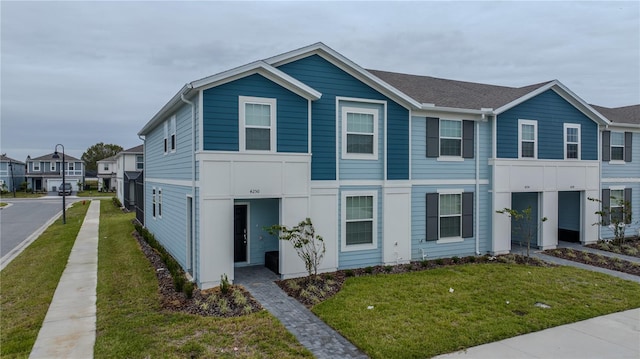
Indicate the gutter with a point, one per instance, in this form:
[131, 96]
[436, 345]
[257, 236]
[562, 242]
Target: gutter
[477, 201]
[433, 107]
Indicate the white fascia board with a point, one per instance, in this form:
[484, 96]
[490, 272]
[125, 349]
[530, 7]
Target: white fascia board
[348, 66]
[565, 93]
[622, 125]
[432, 107]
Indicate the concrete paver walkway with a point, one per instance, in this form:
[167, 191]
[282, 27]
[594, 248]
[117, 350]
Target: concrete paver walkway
[314, 334]
[68, 330]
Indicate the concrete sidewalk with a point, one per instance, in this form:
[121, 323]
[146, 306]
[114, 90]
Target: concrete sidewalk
[610, 336]
[69, 328]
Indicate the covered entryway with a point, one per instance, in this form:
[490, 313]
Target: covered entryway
[253, 245]
[569, 216]
[525, 230]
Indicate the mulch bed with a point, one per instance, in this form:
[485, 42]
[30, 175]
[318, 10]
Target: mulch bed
[631, 247]
[597, 260]
[313, 290]
[210, 302]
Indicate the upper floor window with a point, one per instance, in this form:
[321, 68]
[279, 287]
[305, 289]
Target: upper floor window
[571, 141]
[617, 146]
[528, 139]
[173, 138]
[450, 138]
[106, 166]
[166, 138]
[36, 166]
[71, 166]
[257, 124]
[359, 133]
[359, 220]
[139, 162]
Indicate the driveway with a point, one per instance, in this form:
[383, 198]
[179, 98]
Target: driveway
[24, 217]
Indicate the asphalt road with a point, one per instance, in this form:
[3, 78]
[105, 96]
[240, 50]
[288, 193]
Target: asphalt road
[24, 217]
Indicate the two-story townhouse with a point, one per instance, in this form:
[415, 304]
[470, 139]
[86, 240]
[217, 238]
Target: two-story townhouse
[106, 174]
[44, 173]
[389, 167]
[11, 173]
[620, 176]
[129, 167]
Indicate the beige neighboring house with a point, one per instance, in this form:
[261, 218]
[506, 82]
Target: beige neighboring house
[107, 174]
[129, 166]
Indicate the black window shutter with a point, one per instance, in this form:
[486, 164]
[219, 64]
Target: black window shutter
[627, 200]
[433, 137]
[432, 216]
[628, 138]
[468, 129]
[606, 204]
[606, 145]
[467, 214]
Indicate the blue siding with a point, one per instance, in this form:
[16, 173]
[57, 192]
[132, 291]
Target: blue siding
[551, 111]
[331, 81]
[173, 165]
[362, 169]
[170, 229]
[442, 250]
[221, 118]
[362, 258]
[633, 228]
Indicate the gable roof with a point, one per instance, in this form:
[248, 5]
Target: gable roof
[108, 159]
[49, 157]
[5, 158]
[136, 149]
[627, 115]
[257, 67]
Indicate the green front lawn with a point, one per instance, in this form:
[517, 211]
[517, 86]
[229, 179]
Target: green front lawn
[22, 195]
[131, 323]
[95, 194]
[29, 281]
[415, 315]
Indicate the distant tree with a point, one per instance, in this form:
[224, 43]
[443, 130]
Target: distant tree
[98, 152]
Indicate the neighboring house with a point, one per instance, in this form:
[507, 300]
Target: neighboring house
[44, 173]
[107, 174]
[11, 173]
[389, 167]
[621, 165]
[129, 166]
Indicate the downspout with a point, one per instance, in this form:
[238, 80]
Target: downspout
[193, 178]
[477, 201]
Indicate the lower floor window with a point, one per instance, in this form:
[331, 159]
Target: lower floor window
[617, 202]
[450, 215]
[359, 220]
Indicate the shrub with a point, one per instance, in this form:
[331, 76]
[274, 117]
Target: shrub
[472, 259]
[368, 270]
[178, 282]
[238, 298]
[424, 263]
[455, 259]
[388, 268]
[349, 273]
[188, 289]
[225, 286]
[439, 261]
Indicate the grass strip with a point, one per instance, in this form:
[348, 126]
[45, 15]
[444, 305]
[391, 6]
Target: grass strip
[30, 280]
[131, 324]
[422, 314]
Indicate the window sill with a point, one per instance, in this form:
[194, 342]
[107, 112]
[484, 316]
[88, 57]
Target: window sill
[358, 247]
[450, 240]
[617, 162]
[360, 157]
[450, 159]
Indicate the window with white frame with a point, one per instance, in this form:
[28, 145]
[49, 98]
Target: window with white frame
[528, 139]
[359, 219]
[140, 162]
[257, 124]
[617, 146]
[166, 138]
[450, 138]
[571, 141]
[359, 133]
[616, 201]
[173, 138]
[71, 166]
[450, 213]
[106, 166]
[153, 202]
[36, 166]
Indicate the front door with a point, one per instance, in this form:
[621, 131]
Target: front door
[240, 232]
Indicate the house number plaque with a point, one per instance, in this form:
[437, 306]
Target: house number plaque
[254, 191]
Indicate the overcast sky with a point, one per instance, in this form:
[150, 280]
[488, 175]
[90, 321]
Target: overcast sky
[79, 73]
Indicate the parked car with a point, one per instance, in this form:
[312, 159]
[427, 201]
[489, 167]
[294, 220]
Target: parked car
[65, 189]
